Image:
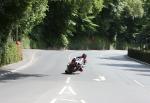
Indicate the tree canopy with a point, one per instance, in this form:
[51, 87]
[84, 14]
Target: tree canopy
[64, 20]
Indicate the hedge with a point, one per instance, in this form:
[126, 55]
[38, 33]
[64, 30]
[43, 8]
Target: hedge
[10, 53]
[139, 55]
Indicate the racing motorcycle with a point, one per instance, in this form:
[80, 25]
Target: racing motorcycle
[71, 68]
[77, 64]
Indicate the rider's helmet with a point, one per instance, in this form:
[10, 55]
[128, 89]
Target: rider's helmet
[73, 60]
[84, 56]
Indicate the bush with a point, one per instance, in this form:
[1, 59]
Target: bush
[139, 55]
[26, 42]
[63, 41]
[10, 53]
[87, 43]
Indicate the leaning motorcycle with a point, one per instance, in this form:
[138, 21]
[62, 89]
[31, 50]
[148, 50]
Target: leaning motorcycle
[73, 68]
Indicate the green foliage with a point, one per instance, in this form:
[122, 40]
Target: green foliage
[134, 7]
[34, 15]
[115, 20]
[70, 17]
[26, 42]
[86, 12]
[119, 22]
[62, 42]
[58, 21]
[142, 35]
[89, 42]
[10, 53]
[17, 18]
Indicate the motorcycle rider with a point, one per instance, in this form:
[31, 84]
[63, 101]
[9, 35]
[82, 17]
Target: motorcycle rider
[73, 65]
[82, 58]
[77, 62]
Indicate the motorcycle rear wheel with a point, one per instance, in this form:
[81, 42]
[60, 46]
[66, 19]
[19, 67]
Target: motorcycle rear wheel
[68, 72]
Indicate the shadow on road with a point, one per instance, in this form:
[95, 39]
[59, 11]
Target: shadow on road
[138, 68]
[144, 74]
[117, 58]
[71, 74]
[126, 65]
[15, 75]
[4, 71]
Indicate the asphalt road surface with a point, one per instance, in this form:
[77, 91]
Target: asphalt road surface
[108, 77]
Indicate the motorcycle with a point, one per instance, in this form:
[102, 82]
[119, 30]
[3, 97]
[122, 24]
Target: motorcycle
[76, 64]
[71, 68]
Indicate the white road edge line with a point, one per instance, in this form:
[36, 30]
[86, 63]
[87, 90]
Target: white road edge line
[62, 90]
[53, 101]
[139, 83]
[72, 91]
[83, 101]
[26, 65]
[20, 68]
[68, 80]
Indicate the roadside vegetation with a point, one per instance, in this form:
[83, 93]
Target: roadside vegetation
[141, 55]
[72, 24]
[17, 19]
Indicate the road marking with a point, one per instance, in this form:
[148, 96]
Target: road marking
[101, 78]
[68, 100]
[68, 80]
[63, 89]
[139, 83]
[72, 91]
[83, 101]
[69, 88]
[97, 80]
[53, 101]
[24, 66]
[20, 68]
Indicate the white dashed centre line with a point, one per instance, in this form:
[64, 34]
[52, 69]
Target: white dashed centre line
[68, 80]
[102, 78]
[140, 84]
[82, 101]
[72, 91]
[53, 101]
[68, 100]
[63, 89]
[97, 80]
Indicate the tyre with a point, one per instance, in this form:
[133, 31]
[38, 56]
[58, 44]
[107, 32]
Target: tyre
[68, 72]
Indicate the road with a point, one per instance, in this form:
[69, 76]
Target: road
[108, 77]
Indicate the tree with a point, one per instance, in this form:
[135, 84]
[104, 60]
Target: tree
[143, 37]
[120, 20]
[20, 14]
[18, 17]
